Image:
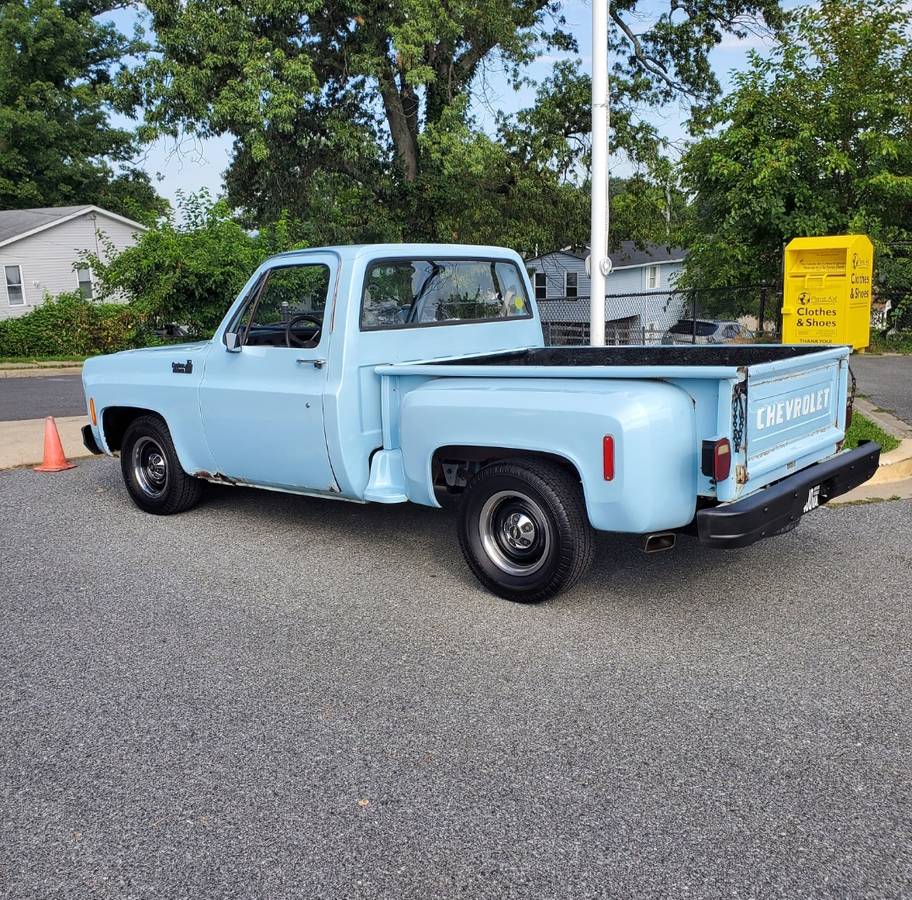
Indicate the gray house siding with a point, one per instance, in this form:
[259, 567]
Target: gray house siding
[638, 309]
[46, 258]
[622, 280]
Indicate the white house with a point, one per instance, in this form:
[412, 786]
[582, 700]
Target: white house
[641, 304]
[40, 251]
[562, 273]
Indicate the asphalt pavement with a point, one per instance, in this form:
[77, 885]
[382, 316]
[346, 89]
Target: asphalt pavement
[272, 696]
[886, 381]
[46, 395]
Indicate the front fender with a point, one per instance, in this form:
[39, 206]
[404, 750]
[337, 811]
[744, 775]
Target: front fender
[652, 423]
[146, 379]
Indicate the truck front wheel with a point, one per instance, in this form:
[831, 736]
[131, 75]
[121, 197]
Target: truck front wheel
[151, 470]
[524, 531]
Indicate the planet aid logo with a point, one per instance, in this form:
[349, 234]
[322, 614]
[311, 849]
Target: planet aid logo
[815, 312]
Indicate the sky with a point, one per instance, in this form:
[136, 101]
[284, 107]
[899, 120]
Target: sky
[192, 164]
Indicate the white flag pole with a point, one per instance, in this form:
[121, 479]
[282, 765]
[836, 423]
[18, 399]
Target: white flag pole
[599, 264]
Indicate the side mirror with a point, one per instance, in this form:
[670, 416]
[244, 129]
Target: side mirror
[232, 342]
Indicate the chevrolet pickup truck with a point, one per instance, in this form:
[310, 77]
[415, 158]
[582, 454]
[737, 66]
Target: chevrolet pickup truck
[418, 372]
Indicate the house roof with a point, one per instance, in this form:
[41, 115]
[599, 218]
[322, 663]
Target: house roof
[627, 255]
[16, 224]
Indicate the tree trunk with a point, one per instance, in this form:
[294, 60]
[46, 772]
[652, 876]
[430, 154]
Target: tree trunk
[402, 118]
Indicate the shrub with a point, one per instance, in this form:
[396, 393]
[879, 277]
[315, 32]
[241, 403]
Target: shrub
[189, 267]
[69, 325]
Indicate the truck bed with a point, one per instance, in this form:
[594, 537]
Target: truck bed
[674, 355]
[782, 407]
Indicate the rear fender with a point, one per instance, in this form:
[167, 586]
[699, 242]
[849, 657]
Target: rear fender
[652, 423]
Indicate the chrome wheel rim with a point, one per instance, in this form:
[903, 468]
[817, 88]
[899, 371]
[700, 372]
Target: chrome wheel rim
[150, 466]
[515, 533]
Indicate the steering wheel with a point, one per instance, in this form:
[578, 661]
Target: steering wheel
[292, 340]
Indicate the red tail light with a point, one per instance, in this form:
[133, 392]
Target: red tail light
[716, 459]
[722, 460]
[608, 457]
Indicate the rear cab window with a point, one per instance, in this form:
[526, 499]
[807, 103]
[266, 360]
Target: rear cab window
[412, 293]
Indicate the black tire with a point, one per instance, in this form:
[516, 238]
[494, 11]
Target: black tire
[500, 504]
[151, 470]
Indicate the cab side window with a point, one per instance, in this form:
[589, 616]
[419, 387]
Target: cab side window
[285, 296]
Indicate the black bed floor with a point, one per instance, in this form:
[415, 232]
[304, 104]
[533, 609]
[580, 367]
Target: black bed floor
[672, 355]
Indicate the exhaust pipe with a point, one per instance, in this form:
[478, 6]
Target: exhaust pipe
[659, 541]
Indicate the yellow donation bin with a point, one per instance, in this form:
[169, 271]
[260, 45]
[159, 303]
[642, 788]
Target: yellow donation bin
[827, 292]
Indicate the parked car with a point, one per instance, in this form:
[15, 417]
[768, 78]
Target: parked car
[704, 331]
[417, 372]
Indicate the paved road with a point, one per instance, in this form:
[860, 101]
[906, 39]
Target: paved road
[282, 697]
[886, 381]
[34, 398]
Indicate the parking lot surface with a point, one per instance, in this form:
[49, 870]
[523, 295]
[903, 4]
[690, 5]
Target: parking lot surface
[275, 696]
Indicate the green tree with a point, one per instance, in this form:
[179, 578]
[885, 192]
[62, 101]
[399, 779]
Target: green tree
[815, 139]
[355, 116]
[190, 266]
[57, 144]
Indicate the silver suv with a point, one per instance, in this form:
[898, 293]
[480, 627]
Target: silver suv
[707, 331]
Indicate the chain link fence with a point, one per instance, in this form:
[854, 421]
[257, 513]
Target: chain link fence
[701, 315]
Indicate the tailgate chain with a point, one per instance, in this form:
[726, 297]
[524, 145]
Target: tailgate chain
[739, 414]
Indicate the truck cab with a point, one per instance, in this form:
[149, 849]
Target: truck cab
[417, 372]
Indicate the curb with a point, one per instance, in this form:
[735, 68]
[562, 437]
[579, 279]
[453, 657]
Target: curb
[893, 480]
[22, 441]
[897, 427]
[23, 370]
[895, 465]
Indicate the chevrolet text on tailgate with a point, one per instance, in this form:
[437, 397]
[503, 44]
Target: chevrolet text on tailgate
[417, 372]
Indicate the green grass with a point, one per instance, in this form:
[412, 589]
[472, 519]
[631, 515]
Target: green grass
[865, 430]
[31, 360]
[896, 343]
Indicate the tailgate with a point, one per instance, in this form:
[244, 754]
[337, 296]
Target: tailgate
[795, 414]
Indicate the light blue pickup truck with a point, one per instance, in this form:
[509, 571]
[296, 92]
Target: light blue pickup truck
[417, 372]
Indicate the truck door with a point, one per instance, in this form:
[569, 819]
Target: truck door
[261, 397]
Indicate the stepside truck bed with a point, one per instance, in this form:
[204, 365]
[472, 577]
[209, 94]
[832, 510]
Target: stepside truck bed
[783, 408]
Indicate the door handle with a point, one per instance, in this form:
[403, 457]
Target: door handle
[316, 363]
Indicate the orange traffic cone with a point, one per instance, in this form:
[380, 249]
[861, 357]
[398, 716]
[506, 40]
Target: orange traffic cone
[54, 460]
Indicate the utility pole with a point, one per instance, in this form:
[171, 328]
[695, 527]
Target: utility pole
[599, 263]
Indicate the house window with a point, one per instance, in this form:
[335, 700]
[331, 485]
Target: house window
[84, 277]
[652, 277]
[14, 292]
[570, 285]
[541, 286]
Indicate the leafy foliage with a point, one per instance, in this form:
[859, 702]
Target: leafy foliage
[69, 325]
[57, 146]
[190, 266]
[816, 139]
[355, 117]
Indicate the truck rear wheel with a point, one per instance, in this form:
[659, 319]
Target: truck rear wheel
[524, 531]
[151, 470]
